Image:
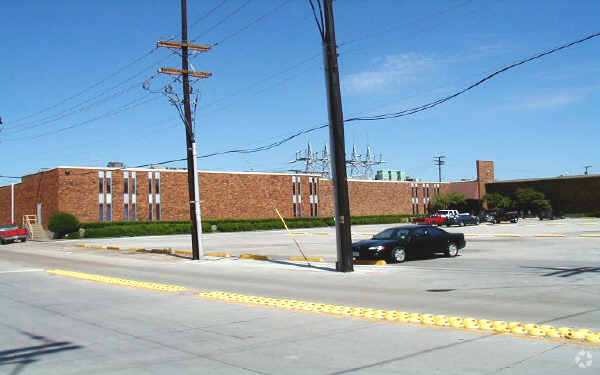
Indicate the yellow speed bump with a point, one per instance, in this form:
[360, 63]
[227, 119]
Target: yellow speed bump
[137, 249]
[496, 327]
[113, 247]
[80, 245]
[182, 252]
[370, 262]
[97, 247]
[118, 281]
[254, 256]
[549, 235]
[216, 254]
[310, 259]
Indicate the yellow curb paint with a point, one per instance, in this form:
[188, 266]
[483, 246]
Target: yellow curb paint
[297, 233]
[556, 224]
[254, 256]
[310, 259]
[97, 247]
[160, 251]
[589, 235]
[215, 254]
[320, 233]
[588, 223]
[370, 262]
[506, 235]
[113, 247]
[549, 235]
[118, 281]
[137, 249]
[582, 337]
[80, 245]
[183, 252]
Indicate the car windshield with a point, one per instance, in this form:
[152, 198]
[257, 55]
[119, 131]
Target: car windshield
[391, 234]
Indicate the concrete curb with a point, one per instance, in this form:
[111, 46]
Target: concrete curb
[310, 259]
[254, 256]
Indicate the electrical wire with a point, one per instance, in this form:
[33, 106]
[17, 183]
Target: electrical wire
[79, 93]
[223, 20]
[252, 23]
[208, 13]
[133, 104]
[318, 19]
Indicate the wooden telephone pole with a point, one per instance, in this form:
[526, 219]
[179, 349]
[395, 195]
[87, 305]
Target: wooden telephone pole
[194, 193]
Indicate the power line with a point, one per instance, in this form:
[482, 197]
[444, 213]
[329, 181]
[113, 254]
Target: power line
[208, 13]
[252, 23]
[223, 20]
[410, 111]
[405, 112]
[132, 104]
[108, 77]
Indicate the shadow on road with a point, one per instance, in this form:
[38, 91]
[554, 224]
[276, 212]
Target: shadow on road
[566, 272]
[21, 357]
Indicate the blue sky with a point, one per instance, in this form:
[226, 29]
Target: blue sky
[537, 120]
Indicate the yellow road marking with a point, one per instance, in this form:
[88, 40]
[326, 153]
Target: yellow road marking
[183, 252]
[310, 259]
[80, 245]
[160, 251]
[215, 254]
[589, 235]
[120, 282]
[588, 223]
[506, 235]
[481, 326]
[97, 247]
[370, 262]
[254, 256]
[556, 224]
[113, 247]
[549, 235]
[137, 249]
[320, 233]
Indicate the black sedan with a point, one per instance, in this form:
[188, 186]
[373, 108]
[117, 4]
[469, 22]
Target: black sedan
[395, 245]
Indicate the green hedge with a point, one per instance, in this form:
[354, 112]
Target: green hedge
[150, 228]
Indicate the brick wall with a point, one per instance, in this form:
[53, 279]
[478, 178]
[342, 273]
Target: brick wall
[577, 194]
[224, 195]
[485, 175]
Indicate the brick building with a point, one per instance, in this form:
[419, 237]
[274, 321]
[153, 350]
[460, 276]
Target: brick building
[567, 194]
[112, 194]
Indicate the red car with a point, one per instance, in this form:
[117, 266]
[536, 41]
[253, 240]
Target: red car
[436, 219]
[11, 233]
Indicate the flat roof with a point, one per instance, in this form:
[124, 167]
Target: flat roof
[546, 178]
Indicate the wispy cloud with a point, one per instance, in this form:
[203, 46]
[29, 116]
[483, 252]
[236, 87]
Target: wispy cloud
[550, 101]
[389, 72]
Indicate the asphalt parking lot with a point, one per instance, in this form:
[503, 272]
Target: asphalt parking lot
[543, 273]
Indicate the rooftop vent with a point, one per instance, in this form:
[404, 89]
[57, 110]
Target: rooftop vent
[115, 164]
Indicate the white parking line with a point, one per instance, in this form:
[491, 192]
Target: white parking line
[25, 270]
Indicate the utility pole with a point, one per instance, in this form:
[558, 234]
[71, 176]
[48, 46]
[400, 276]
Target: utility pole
[337, 144]
[437, 160]
[194, 193]
[586, 169]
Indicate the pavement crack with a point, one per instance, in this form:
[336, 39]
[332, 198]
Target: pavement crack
[525, 359]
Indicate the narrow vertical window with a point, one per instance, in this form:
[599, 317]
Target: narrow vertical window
[157, 195]
[126, 196]
[108, 182]
[133, 196]
[108, 212]
[150, 197]
[100, 195]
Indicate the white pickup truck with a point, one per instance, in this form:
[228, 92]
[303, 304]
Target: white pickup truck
[447, 213]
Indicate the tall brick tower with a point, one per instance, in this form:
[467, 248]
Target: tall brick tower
[485, 174]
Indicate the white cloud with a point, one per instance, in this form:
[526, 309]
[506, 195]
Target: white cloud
[552, 100]
[390, 71]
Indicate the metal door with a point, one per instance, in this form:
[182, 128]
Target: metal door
[39, 213]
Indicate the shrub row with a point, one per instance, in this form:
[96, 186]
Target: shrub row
[150, 228]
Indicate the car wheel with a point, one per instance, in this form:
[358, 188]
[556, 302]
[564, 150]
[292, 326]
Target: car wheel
[452, 250]
[24, 239]
[461, 224]
[515, 220]
[477, 222]
[398, 255]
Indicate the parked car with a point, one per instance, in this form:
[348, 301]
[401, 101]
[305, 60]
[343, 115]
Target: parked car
[462, 219]
[396, 245]
[486, 217]
[501, 215]
[549, 214]
[435, 219]
[11, 233]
